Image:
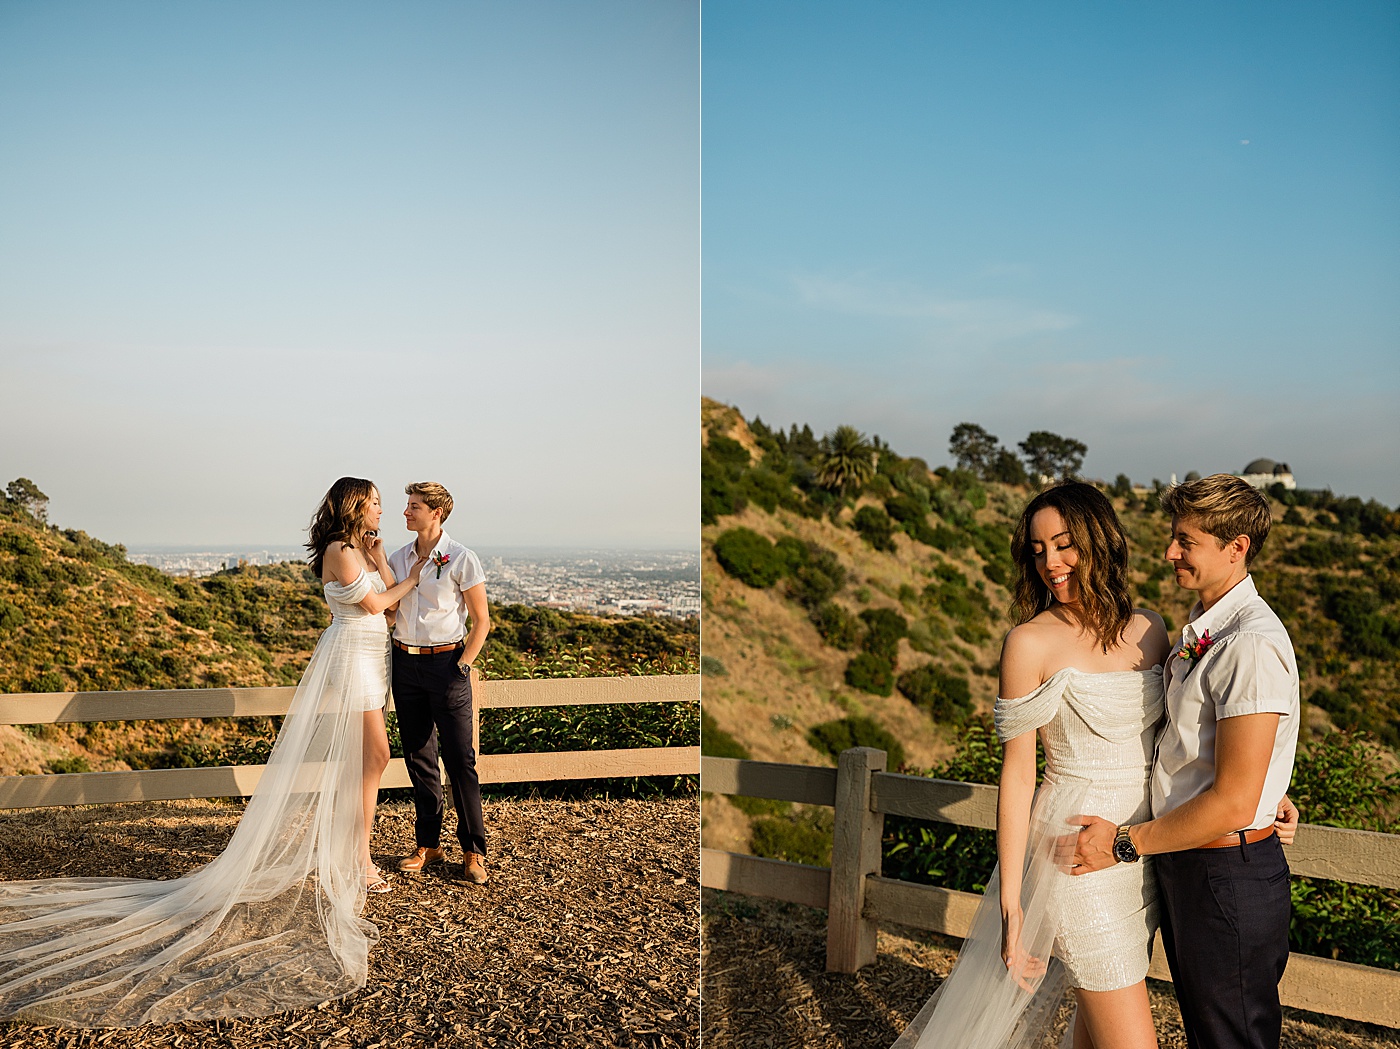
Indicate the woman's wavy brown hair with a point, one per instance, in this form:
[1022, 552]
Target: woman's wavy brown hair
[1104, 605]
[339, 518]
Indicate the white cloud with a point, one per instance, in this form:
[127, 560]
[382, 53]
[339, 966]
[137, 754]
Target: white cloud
[989, 319]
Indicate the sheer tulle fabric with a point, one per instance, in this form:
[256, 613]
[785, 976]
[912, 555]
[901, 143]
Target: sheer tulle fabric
[1098, 742]
[272, 924]
[981, 1005]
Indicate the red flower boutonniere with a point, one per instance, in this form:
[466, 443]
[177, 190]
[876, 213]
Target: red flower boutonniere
[1193, 652]
[440, 559]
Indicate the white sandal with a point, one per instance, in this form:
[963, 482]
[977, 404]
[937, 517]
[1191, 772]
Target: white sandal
[376, 883]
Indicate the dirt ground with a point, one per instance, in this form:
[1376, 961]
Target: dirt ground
[765, 987]
[587, 935]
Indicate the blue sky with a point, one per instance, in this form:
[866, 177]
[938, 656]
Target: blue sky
[1171, 231]
[248, 248]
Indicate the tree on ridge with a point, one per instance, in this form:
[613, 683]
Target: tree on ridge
[1051, 456]
[846, 460]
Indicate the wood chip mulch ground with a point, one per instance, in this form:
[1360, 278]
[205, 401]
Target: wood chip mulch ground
[765, 987]
[586, 935]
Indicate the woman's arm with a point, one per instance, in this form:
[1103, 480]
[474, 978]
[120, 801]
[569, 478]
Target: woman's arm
[1020, 675]
[346, 568]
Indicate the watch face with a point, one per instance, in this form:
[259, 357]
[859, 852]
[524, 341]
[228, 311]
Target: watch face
[1124, 852]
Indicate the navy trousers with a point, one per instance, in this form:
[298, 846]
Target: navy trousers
[433, 701]
[1225, 928]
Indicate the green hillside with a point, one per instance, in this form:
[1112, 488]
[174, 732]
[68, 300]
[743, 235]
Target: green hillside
[76, 615]
[856, 594]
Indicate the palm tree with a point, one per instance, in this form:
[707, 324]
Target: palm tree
[846, 460]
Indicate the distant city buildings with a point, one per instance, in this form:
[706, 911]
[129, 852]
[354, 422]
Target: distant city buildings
[611, 582]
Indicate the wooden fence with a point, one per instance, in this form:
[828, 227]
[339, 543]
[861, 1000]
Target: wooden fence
[88, 788]
[856, 898]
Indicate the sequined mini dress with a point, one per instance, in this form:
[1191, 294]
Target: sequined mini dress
[1098, 732]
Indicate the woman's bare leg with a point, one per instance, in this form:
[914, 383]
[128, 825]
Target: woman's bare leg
[376, 760]
[1120, 1019]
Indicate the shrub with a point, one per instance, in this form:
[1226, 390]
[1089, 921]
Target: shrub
[799, 839]
[838, 628]
[1327, 552]
[76, 763]
[875, 527]
[749, 557]
[832, 737]
[192, 614]
[11, 618]
[946, 697]
[883, 629]
[817, 575]
[716, 742]
[870, 673]
[710, 666]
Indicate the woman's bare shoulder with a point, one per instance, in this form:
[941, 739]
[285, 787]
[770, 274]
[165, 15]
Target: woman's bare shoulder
[1147, 631]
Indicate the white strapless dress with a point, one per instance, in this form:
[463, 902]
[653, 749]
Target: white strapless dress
[1098, 732]
[363, 675]
[272, 924]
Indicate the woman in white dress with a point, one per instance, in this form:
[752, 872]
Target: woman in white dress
[1082, 671]
[273, 923]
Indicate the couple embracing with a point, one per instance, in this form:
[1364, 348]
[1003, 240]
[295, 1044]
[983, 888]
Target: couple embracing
[1167, 759]
[275, 922]
[425, 593]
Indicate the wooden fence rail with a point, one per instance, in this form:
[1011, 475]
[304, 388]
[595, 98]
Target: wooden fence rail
[89, 788]
[856, 898]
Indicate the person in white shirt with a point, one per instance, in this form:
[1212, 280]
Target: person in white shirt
[433, 653]
[1227, 750]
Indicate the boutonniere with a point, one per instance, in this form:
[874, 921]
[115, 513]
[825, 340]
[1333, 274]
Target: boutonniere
[1193, 652]
[440, 559]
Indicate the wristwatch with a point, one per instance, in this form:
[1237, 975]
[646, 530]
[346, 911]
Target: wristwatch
[465, 669]
[1124, 851]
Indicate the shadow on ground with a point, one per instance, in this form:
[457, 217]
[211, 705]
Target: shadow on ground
[765, 987]
[587, 934]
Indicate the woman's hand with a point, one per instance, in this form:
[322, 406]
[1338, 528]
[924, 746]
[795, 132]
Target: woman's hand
[1286, 820]
[1023, 966]
[374, 549]
[416, 572]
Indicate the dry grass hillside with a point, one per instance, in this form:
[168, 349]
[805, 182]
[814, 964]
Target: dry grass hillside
[76, 615]
[772, 678]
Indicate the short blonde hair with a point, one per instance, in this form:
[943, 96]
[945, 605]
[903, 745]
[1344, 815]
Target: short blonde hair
[433, 494]
[1225, 507]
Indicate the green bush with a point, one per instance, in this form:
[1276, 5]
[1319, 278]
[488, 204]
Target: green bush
[749, 557]
[838, 628]
[870, 673]
[1327, 552]
[805, 838]
[76, 763]
[883, 629]
[946, 697]
[875, 527]
[817, 574]
[832, 737]
[711, 666]
[718, 743]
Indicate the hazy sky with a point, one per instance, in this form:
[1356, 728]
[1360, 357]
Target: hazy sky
[1169, 230]
[248, 248]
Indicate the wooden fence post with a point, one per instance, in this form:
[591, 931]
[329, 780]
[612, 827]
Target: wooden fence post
[855, 853]
[475, 678]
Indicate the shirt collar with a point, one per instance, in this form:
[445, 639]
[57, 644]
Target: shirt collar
[1222, 611]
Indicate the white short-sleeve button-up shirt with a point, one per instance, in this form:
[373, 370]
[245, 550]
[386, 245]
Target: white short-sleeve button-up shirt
[1249, 668]
[435, 612]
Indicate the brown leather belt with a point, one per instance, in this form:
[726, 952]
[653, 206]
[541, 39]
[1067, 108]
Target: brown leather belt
[426, 650]
[1240, 837]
